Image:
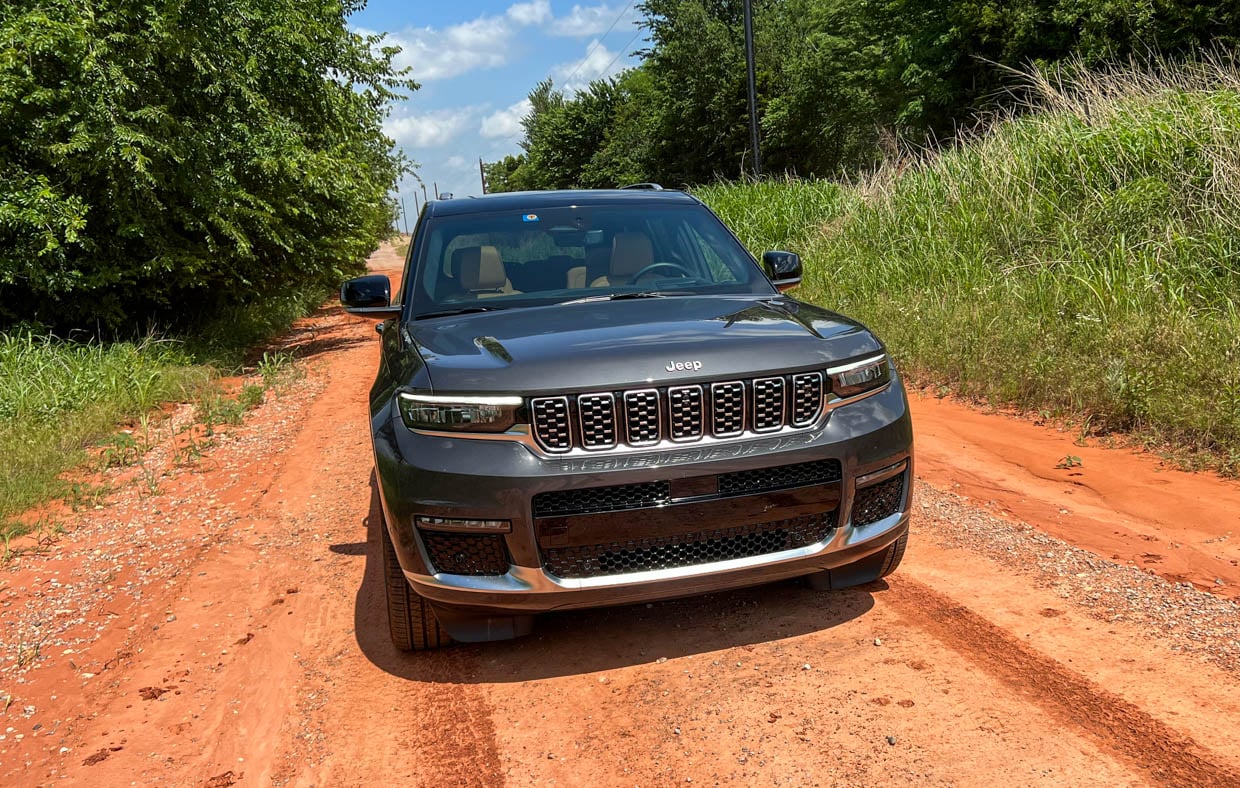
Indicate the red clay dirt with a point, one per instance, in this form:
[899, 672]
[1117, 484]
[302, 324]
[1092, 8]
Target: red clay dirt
[225, 625]
[1128, 506]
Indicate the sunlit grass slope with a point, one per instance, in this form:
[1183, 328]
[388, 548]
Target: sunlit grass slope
[1082, 259]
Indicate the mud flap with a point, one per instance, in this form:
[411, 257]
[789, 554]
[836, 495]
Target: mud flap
[467, 627]
[867, 570]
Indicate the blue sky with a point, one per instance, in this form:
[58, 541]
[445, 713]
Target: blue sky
[477, 61]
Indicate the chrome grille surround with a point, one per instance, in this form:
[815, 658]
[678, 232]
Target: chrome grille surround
[806, 389]
[684, 408]
[551, 416]
[643, 423]
[727, 401]
[597, 419]
[768, 405]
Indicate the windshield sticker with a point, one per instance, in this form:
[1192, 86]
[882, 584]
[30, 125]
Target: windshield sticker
[530, 217]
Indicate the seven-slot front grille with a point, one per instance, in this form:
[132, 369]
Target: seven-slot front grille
[683, 414]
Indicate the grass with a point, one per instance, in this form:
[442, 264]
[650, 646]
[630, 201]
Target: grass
[1081, 259]
[62, 402]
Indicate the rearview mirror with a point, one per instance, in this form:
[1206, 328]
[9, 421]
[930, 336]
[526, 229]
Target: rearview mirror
[369, 295]
[783, 269]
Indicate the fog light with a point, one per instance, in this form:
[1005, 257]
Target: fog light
[458, 524]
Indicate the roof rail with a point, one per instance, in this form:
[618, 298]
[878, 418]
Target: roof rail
[654, 187]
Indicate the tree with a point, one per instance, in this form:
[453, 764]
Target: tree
[158, 160]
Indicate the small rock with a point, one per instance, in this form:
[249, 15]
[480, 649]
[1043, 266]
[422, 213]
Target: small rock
[891, 740]
[878, 641]
[661, 660]
[805, 666]
[676, 731]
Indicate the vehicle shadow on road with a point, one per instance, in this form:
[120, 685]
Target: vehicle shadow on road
[586, 641]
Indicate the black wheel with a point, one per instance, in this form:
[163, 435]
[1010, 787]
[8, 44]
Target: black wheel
[411, 621]
[867, 570]
[895, 554]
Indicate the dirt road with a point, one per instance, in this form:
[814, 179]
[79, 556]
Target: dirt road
[225, 625]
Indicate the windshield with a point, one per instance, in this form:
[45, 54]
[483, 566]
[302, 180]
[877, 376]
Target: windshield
[501, 260]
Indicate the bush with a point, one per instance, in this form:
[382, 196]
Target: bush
[162, 162]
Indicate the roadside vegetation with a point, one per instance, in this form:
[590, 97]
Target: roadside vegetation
[1078, 259]
[73, 407]
[175, 189]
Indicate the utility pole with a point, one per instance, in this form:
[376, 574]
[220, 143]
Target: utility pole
[423, 191]
[404, 214]
[753, 89]
[482, 175]
[435, 187]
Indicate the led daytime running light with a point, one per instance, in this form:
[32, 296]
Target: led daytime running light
[460, 414]
[855, 379]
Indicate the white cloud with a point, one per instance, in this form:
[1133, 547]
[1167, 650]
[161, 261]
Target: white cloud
[534, 13]
[598, 62]
[593, 20]
[430, 129]
[505, 122]
[432, 53]
[456, 162]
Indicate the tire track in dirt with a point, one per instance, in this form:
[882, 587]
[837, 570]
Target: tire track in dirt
[1166, 755]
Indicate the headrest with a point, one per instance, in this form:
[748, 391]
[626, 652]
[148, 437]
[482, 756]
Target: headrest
[630, 253]
[482, 268]
[458, 256]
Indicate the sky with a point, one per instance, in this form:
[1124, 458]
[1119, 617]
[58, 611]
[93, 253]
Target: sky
[476, 62]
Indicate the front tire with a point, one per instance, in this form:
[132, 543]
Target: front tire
[411, 621]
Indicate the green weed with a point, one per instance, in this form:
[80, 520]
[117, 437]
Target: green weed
[250, 396]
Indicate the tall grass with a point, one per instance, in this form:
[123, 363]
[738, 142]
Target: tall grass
[57, 398]
[60, 398]
[775, 214]
[1080, 259]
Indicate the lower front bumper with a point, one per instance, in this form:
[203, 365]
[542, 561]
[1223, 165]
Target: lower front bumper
[465, 600]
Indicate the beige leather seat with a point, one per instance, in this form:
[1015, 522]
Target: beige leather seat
[630, 253]
[482, 273]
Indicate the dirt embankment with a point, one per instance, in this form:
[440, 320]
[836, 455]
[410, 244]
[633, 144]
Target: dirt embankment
[1049, 626]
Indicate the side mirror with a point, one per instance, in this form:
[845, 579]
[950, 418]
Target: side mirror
[783, 269]
[369, 295]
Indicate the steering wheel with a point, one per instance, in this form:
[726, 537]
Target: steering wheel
[657, 266]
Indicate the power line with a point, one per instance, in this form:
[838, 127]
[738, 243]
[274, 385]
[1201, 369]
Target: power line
[597, 43]
[619, 54]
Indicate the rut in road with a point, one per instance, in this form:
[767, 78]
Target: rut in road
[1114, 723]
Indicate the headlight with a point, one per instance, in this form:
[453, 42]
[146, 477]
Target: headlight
[458, 414]
[858, 378]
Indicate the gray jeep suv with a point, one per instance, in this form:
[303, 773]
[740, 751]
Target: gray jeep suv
[591, 398]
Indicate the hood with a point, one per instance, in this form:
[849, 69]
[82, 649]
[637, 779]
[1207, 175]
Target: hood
[604, 345]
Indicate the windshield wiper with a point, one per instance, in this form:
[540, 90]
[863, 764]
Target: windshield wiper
[617, 297]
[465, 310]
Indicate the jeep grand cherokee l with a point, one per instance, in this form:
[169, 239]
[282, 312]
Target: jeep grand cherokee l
[591, 398]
